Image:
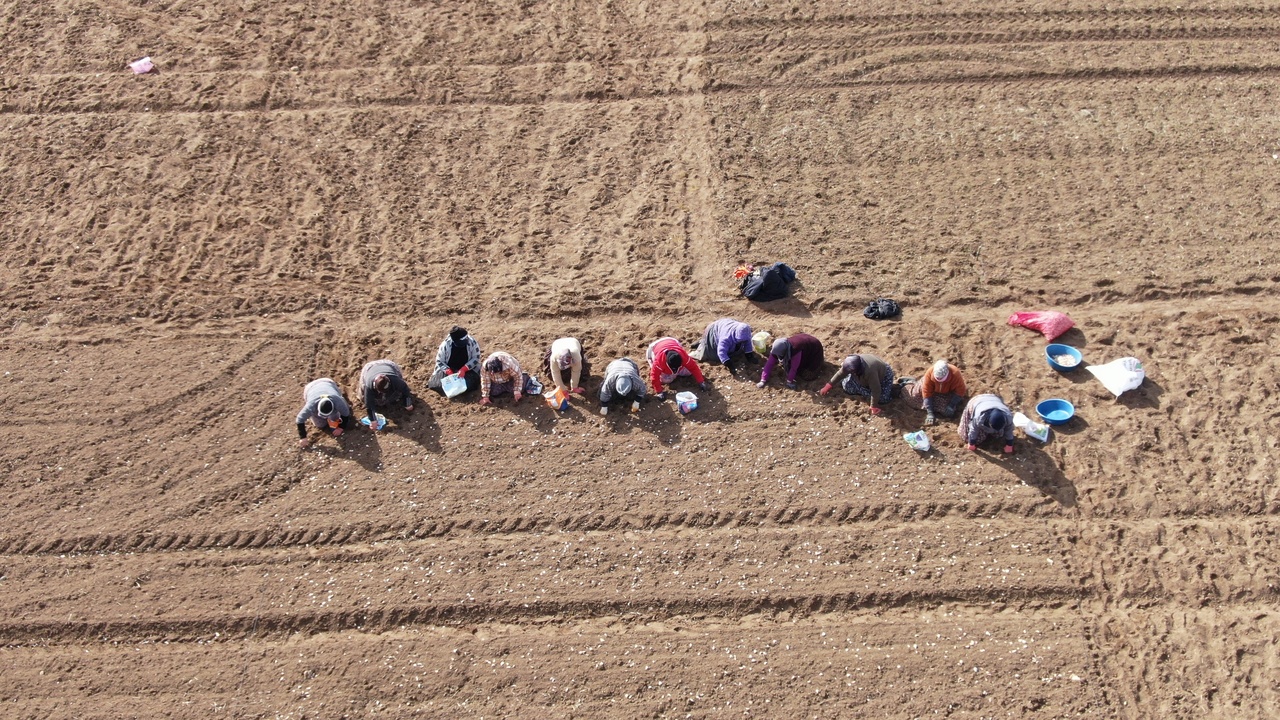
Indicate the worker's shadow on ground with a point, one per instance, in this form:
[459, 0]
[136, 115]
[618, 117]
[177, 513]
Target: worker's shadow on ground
[420, 426]
[660, 418]
[546, 419]
[532, 409]
[1035, 468]
[360, 445]
[712, 406]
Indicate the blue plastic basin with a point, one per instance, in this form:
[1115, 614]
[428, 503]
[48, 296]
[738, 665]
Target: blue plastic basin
[1056, 411]
[1055, 349]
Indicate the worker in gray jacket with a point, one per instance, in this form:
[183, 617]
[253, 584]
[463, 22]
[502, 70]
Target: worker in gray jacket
[621, 381]
[324, 406]
[986, 417]
[382, 383]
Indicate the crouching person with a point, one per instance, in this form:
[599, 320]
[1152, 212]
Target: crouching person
[799, 352]
[459, 353]
[501, 374]
[622, 382]
[382, 384]
[985, 417]
[724, 341]
[567, 354]
[668, 360]
[941, 391]
[325, 407]
[865, 375]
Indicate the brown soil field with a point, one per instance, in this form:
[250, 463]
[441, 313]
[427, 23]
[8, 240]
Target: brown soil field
[300, 188]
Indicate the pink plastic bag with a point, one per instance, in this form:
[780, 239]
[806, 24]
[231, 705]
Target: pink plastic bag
[1049, 322]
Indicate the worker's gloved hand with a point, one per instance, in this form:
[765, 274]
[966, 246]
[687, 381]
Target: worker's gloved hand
[462, 371]
[929, 418]
[485, 401]
[875, 411]
[304, 442]
[792, 385]
[1008, 449]
[760, 384]
[953, 407]
[408, 408]
[635, 406]
[337, 432]
[580, 391]
[604, 409]
[971, 447]
[825, 389]
[518, 395]
[662, 395]
[703, 385]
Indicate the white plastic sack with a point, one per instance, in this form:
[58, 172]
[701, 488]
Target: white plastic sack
[918, 440]
[1119, 376]
[453, 385]
[1033, 429]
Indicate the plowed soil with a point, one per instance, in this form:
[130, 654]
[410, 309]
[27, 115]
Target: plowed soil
[300, 188]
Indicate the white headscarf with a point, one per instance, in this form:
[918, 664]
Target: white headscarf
[941, 371]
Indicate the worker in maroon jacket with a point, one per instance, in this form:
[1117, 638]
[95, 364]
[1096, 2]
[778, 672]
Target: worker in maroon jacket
[795, 353]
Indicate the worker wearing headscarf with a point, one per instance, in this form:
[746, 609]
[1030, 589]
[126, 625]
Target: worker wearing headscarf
[941, 391]
[795, 353]
[325, 407]
[501, 374]
[458, 353]
[986, 416]
[722, 341]
[667, 361]
[382, 384]
[865, 375]
[621, 382]
[566, 354]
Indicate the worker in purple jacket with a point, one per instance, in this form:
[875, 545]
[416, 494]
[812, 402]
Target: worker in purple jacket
[798, 352]
[722, 341]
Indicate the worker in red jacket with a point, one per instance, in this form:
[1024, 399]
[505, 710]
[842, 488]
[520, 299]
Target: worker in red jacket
[669, 360]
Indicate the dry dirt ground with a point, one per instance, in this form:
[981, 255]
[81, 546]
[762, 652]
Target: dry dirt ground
[302, 187]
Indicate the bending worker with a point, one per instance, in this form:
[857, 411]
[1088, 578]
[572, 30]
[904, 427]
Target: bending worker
[986, 416]
[865, 375]
[566, 354]
[324, 406]
[940, 392]
[795, 353]
[621, 382]
[458, 353]
[667, 361]
[501, 374]
[722, 341]
[382, 383]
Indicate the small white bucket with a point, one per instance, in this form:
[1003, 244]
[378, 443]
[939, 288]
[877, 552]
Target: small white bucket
[687, 402]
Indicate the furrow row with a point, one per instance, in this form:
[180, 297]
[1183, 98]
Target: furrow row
[635, 611]
[729, 49]
[448, 528]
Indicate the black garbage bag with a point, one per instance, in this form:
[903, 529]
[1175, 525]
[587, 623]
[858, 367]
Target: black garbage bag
[768, 282]
[882, 309]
